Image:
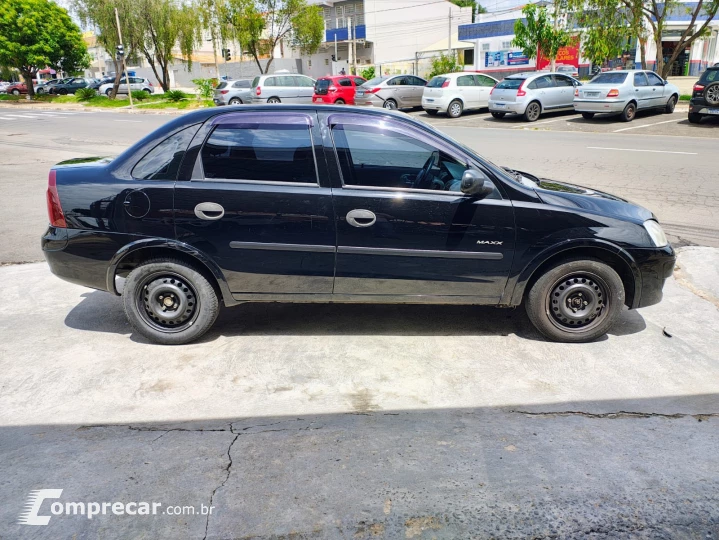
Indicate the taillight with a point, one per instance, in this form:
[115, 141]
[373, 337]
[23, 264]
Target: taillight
[223, 92]
[332, 89]
[372, 90]
[54, 210]
[698, 87]
[613, 93]
[492, 90]
[576, 92]
[258, 91]
[520, 90]
[445, 84]
[149, 82]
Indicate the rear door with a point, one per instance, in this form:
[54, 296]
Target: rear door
[401, 234]
[258, 202]
[417, 88]
[546, 91]
[485, 85]
[305, 88]
[564, 91]
[642, 90]
[468, 91]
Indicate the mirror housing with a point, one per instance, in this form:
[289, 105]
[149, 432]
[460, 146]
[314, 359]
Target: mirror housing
[476, 184]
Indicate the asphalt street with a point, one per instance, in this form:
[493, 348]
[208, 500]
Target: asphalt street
[359, 422]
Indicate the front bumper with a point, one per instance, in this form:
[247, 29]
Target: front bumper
[655, 266]
[507, 107]
[599, 105]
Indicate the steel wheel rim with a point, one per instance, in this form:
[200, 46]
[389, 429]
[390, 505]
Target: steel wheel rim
[533, 111]
[167, 302]
[713, 94]
[672, 103]
[454, 109]
[273, 100]
[630, 112]
[578, 302]
[390, 105]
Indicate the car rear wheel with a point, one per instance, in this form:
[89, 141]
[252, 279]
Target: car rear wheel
[390, 104]
[587, 115]
[340, 102]
[711, 94]
[235, 101]
[629, 112]
[533, 111]
[575, 301]
[695, 118]
[16, 92]
[455, 109]
[40, 91]
[498, 115]
[108, 92]
[669, 109]
[169, 302]
[274, 100]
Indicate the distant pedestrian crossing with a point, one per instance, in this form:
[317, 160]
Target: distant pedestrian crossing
[12, 115]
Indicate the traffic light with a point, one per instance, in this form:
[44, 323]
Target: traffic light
[120, 51]
[334, 59]
[226, 54]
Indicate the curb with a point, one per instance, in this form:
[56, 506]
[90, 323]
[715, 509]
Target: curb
[73, 107]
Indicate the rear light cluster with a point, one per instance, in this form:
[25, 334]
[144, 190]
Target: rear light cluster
[576, 92]
[520, 91]
[54, 210]
[223, 92]
[492, 90]
[613, 93]
[372, 90]
[698, 87]
[258, 91]
[445, 84]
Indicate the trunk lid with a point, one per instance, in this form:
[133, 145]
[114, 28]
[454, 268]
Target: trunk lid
[321, 87]
[506, 90]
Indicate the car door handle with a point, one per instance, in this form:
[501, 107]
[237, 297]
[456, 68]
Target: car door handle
[361, 218]
[209, 211]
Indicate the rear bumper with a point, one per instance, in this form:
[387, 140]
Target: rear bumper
[599, 105]
[330, 99]
[655, 267]
[507, 107]
[699, 106]
[434, 104]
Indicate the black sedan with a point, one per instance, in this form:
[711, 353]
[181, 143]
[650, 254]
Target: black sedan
[287, 203]
[70, 86]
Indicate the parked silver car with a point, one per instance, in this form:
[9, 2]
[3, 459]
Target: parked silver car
[391, 92]
[624, 93]
[136, 83]
[233, 92]
[531, 94]
[283, 88]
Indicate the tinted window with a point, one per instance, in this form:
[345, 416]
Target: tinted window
[609, 78]
[359, 81]
[640, 80]
[344, 82]
[465, 80]
[544, 82]
[241, 84]
[654, 79]
[483, 80]
[563, 81]
[375, 81]
[436, 82]
[510, 84]
[265, 152]
[271, 81]
[303, 81]
[221, 85]
[163, 161]
[416, 81]
[322, 85]
[710, 75]
[396, 81]
[255, 81]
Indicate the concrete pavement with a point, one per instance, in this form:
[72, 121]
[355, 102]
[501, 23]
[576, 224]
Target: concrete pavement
[333, 421]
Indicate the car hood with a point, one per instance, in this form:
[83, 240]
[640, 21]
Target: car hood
[582, 198]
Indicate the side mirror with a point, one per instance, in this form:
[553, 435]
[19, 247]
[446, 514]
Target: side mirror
[476, 184]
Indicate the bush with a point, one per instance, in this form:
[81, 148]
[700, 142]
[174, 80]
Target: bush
[444, 64]
[367, 73]
[175, 95]
[85, 94]
[206, 87]
[140, 95]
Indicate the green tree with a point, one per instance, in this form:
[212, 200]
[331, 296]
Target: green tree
[261, 25]
[157, 27]
[538, 34]
[476, 6]
[367, 73]
[605, 28]
[35, 34]
[444, 63]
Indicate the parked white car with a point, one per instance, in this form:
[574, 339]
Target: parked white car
[136, 83]
[454, 93]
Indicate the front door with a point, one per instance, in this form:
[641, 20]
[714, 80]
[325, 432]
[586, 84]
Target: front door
[657, 85]
[259, 203]
[403, 226]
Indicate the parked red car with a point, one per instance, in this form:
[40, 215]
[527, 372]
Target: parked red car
[16, 89]
[339, 89]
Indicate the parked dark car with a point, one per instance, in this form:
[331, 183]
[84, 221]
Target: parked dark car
[97, 83]
[71, 86]
[705, 96]
[309, 203]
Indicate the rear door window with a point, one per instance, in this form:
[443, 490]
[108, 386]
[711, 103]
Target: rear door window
[260, 152]
[654, 79]
[640, 79]
[483, 80]
[241, 84]
[465, 80]
[561, 80]
[344, 82]
[544, 82]
[358, 81]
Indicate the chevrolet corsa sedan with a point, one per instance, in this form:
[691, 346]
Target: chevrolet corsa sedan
[328, 204]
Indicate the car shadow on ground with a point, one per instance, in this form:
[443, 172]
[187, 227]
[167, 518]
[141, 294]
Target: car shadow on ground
[101, 312]
[708, 122]
[613, 118]
[519, 118]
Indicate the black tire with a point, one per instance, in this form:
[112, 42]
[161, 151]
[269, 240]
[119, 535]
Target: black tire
[575, 301]
[695, 118]
[431, 112]
[455, 108]
[629, 112]
[147, 91]
[390, 104]
[194, 307]
[40, 91]
[108, 92]
[16, 92]
[711, 94]
[235, 101]
[274, 100]
[669, 109]
[340, 102]
[533, 112]
[498, 115]
[62, 91]
[587, 115]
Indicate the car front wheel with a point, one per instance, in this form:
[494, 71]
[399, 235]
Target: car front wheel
[669, 109]
[575, 301]
[108, 92]
[169, 302]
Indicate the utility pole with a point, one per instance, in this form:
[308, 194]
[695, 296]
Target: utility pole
[124, 64]
[349, 43]
[354, 48]
[449, 35]
[336, 57]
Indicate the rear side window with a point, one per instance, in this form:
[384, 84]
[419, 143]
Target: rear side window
[465, 80]
[710, 75]
[609, 78]
[436, 82]
[163, 161]
[221, 85]
[640, 79]
[240, 84]
[483, 80]
[510, 84]
[260, 152]
[271, 81]
[543, 82]
[358, 81]
[344, 82]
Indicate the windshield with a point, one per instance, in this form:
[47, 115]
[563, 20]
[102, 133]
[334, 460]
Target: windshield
[510, 84]
[375, 81]
[709, 76]
[221, 85]
[437, 82]
[609, 78]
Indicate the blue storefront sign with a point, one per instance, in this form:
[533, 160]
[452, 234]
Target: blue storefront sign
[517, 59]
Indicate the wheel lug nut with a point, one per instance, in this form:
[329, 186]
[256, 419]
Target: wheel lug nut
[585, 303]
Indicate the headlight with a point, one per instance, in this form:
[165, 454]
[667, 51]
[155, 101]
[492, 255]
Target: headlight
[656, 233]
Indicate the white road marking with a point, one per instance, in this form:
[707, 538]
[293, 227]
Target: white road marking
[645, 125]
[22, 116]
[138, 121]
[641, 150]
[532, 124]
